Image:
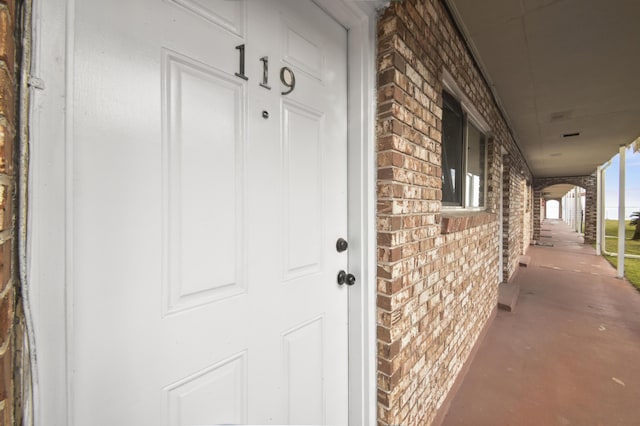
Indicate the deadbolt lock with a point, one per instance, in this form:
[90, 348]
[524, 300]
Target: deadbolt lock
[341, 245]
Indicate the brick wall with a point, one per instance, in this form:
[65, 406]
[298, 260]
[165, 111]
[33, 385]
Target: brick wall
[11, 317]
[589, 183]
[438, 272]
[527, 217]
[517, 215]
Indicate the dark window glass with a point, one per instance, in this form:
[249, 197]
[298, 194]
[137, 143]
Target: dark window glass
[452, 151]
[463, 157]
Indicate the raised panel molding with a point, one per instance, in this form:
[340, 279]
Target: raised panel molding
[304, 373]
[302, 50]
[227, 14]
[303, 190]
[203, 213]
[214, 395]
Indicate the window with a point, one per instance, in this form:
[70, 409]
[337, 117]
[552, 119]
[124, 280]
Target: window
[463, 157]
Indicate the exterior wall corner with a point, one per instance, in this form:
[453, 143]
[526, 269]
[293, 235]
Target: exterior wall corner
[438, 271]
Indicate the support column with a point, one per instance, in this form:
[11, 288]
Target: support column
[576, 210]
[570, 214]
[570, 209]
[598, 211]
[537, 218]
[560, 214]
[621, 211]
[603, 204]
[590, 209]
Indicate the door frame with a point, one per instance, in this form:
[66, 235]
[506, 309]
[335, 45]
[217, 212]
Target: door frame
[49, 288]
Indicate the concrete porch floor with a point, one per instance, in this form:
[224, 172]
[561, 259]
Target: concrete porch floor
[570, 352]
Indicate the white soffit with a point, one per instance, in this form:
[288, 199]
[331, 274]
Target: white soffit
[560, 67]
[556, 191]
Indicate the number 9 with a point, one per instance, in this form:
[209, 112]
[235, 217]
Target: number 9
[288, 78]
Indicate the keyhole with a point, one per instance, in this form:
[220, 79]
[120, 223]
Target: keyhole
[265, 114]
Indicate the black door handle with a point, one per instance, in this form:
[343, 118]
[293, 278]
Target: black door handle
[345, 278]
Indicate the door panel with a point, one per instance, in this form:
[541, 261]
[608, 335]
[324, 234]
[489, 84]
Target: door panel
[304, 372]
[205, 210]
[219, 390]
[302, 190]
[203, 165]
[229, 15]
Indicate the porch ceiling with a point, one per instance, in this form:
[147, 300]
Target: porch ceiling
[556, 191]
[560, 67]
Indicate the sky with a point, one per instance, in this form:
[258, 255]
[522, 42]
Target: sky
[632, 185]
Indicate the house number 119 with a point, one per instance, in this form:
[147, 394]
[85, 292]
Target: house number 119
[287, 77]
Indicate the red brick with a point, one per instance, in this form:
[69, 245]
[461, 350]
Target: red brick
[6, 317]
[430, 264]
[6, 263]
[7, 97]
[11, 5]
[6, 206]
[7, 41]
[7, 134]
[6, 391]
[6, 151]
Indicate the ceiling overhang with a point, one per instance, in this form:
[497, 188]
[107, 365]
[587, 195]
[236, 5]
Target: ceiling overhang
[564, 73]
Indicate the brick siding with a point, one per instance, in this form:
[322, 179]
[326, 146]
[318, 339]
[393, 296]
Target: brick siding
[527, 217]
[11, 316]
[438, 272]
[588, 183]
[516, 217]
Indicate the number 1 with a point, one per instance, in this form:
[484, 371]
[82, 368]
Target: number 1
[265, 72]
[241, 72]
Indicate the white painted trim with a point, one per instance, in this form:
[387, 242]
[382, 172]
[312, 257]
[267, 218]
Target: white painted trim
[50, 241]
[598, 210]
[621, 210]
[69, 211]
[47, 232]
[602, 171]
[360, 20]
[450, 84]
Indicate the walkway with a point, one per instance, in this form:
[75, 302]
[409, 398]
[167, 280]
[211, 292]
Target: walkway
[570, 352]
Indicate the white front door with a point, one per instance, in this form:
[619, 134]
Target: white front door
[204, 213]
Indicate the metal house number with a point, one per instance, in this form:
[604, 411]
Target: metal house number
[240, 72]
[287, 76]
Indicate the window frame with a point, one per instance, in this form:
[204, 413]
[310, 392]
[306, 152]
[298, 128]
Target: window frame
[485, 140]
[459, 112]
[470, 116]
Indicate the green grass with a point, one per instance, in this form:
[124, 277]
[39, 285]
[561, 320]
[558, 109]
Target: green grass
[631, 266]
